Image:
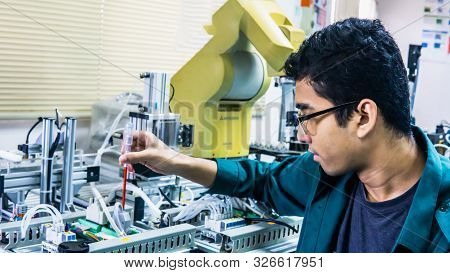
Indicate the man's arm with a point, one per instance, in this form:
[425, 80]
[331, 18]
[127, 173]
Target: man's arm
[198, 170]
[286, 186]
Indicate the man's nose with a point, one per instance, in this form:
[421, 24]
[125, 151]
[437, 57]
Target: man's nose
[303, 137]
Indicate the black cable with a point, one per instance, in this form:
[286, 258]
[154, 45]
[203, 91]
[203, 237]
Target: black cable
[167, 198]
[171, 97]
[26, 195]
[57, 118]
[61, 126]
[271, 220]
[54, 145]
[32, 128]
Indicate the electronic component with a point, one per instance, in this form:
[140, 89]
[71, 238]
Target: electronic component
[55, 235]
[222, 225]
[21, 209]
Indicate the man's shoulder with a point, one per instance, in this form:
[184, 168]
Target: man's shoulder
[443, 206]
[298, 166]
[306, 157]
[304, 161]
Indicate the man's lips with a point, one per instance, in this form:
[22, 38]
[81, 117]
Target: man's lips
[315, 155]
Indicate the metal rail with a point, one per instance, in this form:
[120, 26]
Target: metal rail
[169, 239]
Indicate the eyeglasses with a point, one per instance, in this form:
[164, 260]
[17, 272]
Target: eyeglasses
[303, 119]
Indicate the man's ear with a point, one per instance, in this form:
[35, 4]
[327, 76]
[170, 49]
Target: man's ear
[366, 117]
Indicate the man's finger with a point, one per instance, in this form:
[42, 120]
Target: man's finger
[133, 157]
[130, 168]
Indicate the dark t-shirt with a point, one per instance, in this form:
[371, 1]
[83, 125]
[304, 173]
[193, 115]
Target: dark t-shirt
[373, 227]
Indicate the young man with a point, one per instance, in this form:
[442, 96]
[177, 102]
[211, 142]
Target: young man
[370, 182]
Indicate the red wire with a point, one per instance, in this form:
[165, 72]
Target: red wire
[124, 185]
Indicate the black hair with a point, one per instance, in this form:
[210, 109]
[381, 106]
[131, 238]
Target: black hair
[352, 60]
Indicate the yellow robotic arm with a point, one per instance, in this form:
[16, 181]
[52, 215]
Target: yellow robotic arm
[215, 90]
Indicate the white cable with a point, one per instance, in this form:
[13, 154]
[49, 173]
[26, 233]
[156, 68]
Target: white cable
[55, 214]
[111, 131]
[207, 202]
[116, 216]
[214, 211]
[27, 219]
[192, 194]
[100, 199]
[191, 211]
[155, 213]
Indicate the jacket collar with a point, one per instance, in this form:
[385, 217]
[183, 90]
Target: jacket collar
[417, 228]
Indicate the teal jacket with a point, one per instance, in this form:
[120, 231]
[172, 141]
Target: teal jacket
[298, 186]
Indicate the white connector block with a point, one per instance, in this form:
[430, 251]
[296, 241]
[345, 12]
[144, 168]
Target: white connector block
[55, 234]
[94, 213]
[222, 225]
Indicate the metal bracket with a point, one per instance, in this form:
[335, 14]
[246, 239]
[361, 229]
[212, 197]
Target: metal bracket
[93, 174]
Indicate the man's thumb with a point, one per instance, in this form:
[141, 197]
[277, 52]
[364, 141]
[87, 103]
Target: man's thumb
[132, 157]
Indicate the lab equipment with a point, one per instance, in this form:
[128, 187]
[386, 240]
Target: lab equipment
[127, 142]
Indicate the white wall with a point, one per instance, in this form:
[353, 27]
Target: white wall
[403, 18]
[400, 17]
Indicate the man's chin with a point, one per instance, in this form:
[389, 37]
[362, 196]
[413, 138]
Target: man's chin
[332, 171]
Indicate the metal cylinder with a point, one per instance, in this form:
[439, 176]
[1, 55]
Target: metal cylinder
[166, 128]
[21, 207]
[287, 104]
[67, 171]
[140, 121]
[156, 92]
[47, 162]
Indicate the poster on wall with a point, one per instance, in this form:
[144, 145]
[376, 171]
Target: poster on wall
[312, 15]
[434, 66]
[435, 30]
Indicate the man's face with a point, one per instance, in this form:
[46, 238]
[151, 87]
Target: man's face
[333, 146]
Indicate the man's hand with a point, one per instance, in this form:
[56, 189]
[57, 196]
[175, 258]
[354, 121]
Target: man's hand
[150, 151]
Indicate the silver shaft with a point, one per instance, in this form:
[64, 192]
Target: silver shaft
[47, 163]
[67, 171]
